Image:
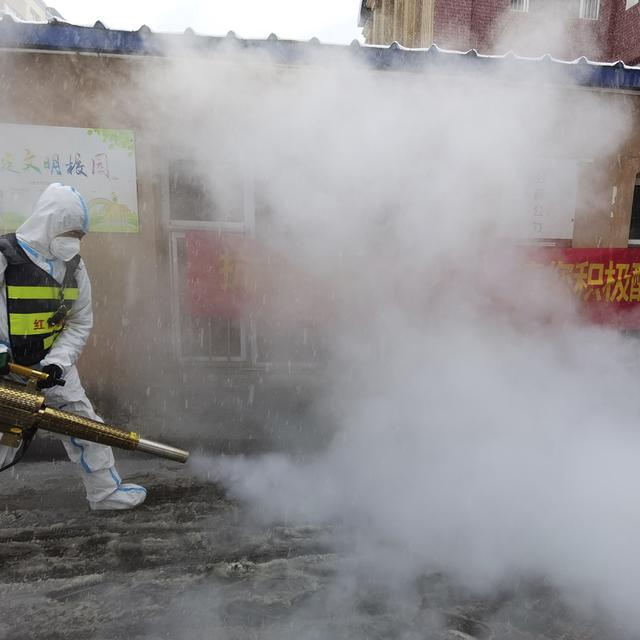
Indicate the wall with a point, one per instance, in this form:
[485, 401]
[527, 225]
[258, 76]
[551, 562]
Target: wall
[452, 24]
[130, 365]
[491, 27]
[625, 44]
[547, 27]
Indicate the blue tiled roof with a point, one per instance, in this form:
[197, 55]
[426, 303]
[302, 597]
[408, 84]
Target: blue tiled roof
[61, 36]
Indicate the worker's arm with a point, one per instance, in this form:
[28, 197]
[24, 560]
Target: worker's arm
[68, 347]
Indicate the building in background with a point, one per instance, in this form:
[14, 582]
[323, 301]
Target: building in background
[606, 30]
[31, 10]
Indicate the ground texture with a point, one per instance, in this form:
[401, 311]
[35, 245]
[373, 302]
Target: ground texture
[190, 565]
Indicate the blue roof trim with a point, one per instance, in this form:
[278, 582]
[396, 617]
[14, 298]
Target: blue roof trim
[60, 36]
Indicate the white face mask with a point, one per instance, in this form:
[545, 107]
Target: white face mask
[64, 248]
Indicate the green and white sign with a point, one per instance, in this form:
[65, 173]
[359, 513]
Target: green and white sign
[99, 163]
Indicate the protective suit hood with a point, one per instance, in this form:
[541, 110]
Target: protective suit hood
[59, 209]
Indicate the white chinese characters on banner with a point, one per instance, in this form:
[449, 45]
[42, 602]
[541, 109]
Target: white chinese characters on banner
[99, 163]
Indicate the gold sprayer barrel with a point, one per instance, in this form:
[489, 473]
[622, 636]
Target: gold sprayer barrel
[22, 408]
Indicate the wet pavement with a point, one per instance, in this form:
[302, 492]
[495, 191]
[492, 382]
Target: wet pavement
[190, 564]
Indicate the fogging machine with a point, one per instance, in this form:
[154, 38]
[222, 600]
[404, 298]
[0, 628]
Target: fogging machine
[23, 412]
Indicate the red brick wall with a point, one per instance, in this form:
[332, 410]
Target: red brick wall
[625, 33]
[491, 27]
[488, 21]
[592, 38]
[452, 24]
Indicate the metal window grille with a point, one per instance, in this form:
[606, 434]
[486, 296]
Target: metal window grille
[589, 9]
[520, 5]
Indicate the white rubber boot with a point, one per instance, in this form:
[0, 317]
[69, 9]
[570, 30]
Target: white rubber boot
[126, 496]
[110, 492]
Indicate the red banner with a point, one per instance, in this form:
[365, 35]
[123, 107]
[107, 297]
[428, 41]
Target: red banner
[606, 281]
[220, 273]
[230, 273]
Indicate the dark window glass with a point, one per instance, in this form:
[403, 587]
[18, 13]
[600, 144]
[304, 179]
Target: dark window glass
[634, 231]
[214, 197]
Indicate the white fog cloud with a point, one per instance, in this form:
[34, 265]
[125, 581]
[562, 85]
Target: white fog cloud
[482, 427]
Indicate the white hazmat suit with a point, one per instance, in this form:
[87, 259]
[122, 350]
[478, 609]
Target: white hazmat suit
[60, 210]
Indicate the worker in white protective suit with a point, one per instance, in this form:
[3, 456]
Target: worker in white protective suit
[45, 320]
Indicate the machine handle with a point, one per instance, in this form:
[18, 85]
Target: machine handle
[33, 374]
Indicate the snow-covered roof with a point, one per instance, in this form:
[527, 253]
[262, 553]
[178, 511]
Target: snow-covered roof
[61, 36]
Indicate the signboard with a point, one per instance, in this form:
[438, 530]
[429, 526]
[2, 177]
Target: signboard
[551, 200]
[99, 163]
[606, 281]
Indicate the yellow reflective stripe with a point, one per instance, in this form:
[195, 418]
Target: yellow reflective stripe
[49, 340]
[31, 324]
[41, 293]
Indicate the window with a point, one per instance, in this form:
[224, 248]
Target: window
[520, 5]
[205, 196]
[632, 3]
[218, 196]
[634, 230]
[212, 226]
[589, 9]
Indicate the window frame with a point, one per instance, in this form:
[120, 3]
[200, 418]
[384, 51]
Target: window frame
[634, 242]
[250, 357]
[177, 310]
[176, 229]
[587, 4]
[519, 6]
[247, 225]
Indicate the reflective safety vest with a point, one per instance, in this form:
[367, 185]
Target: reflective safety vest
[36, 302]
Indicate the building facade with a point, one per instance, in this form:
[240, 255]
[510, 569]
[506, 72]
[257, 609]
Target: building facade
[606, 30]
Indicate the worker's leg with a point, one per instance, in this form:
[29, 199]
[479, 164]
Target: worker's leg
[6, 455]
[105, 489]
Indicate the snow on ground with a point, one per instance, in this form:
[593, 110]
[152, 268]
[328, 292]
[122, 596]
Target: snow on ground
[190, 565]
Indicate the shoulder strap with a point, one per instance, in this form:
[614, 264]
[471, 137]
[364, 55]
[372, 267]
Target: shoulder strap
[11, 250]
[70, 273]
